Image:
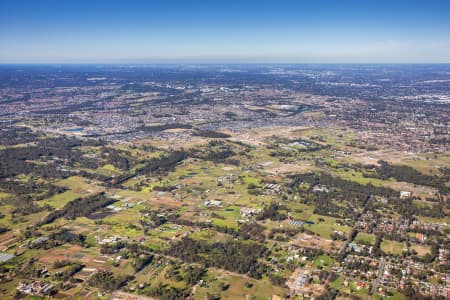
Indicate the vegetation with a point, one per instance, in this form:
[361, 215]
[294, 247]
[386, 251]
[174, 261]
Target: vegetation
[81, 207]
[408, 174]
[107, 281]
[211, 134]
[232, 255]
[219, 219]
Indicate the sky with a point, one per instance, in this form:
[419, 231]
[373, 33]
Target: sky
[224, 31]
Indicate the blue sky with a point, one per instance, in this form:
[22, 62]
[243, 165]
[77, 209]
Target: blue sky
[189, 31]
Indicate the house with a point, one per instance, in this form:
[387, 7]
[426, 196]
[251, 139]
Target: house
[212, 203]
[38, 241]
[248, 212]
[35, 288]
[421, 237]
[320, 189]
[405, 194]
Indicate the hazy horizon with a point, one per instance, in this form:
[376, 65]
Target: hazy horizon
[197, 32]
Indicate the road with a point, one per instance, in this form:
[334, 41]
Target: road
[376, 281]
[351, 235]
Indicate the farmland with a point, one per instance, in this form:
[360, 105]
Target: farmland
[232, 195]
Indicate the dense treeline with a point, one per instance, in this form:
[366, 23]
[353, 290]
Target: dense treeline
[408, 209]
[216, 151]
[23, 195]
[66, 236]
[348, 192]
[23, 206]
[58, 238]
[17, 135]
[193, 274]
[3, 229]
[252, 231]
[71, 269]
[235, 256]
[32, 189]
[112, 248]
[80, 207]
[58, 157]
[56, 152]
[143, 256]
[211, 134]
[107, 281]
[167, 292]
[357, 194]
[163, 164]
[156, 128]
[141, 261]
[273, 212]
[155, 165]
[119, 159]
[408, 174]
[330, 294]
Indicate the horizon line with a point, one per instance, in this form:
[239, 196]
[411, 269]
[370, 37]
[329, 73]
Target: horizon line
[225, 63]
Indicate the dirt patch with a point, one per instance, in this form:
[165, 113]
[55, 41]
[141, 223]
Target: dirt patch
[189, 181]
[311, 241]
[290, 168]
[72, 253]
[393, 157]
[421, 250]
[7, 239]
[417, 190]
[256, 137]
[167, 201]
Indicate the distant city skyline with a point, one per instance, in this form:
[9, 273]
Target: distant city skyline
[347, 31]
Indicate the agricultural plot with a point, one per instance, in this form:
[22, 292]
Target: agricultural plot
[246, 215]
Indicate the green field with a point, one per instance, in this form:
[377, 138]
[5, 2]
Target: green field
[365, 238]
[258, 289]
[323, 262]
[392, 247]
